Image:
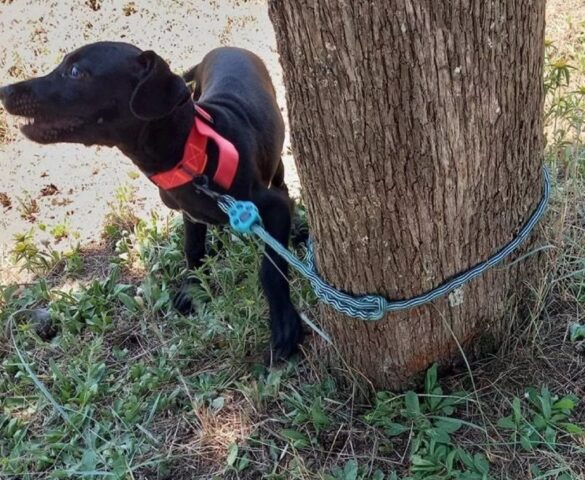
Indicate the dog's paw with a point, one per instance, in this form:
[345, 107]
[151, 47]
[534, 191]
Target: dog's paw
[286, 341]
[183, 300]
[278, 356]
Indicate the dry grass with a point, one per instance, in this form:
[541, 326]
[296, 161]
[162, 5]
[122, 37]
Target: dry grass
[549, 360]
[4, 130]
[564, 23]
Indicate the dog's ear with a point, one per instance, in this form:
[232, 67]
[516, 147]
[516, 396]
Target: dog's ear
[159, 91]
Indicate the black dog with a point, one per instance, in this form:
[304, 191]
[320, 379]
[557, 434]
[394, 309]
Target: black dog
[116, 95]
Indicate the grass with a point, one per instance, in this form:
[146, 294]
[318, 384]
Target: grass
[130, 389]
[121, 219]
[29, 208]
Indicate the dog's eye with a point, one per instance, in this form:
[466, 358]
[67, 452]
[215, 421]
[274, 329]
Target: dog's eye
[75, 72]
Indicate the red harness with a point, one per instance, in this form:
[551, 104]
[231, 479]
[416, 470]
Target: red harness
[194, 158]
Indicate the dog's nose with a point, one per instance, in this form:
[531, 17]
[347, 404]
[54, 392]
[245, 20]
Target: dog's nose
[4, 91]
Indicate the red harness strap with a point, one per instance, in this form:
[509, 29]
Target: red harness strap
[194, 158]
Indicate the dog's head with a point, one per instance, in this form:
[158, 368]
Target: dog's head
[97, 92]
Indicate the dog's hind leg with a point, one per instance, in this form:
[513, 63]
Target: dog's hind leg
[300, 230]
[285, 322]
[194, 247]
[277, 181]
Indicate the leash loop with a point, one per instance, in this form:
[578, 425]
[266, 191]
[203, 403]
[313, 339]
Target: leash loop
[369, 307]
[201, 183]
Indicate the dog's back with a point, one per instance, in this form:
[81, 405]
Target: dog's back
[236, 84]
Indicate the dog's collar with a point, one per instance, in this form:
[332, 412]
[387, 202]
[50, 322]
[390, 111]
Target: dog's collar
[194, 159]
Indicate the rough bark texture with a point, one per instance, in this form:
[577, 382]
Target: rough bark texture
[417, 132]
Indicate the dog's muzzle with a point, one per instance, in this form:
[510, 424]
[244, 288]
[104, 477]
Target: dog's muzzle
[4, 93]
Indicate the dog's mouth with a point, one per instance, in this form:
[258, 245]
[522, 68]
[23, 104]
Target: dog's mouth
[38, 124]
[45, 129]
[45, 120]
[44, 124]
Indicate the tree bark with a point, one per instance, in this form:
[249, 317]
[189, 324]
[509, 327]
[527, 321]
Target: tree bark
[416, 128]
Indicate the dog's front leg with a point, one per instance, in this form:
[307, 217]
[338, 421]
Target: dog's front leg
[194, 252]
[285, 322]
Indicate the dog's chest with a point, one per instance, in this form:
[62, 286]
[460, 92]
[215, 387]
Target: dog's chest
[195, 204]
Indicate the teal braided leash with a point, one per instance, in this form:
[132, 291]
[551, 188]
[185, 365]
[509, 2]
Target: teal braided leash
[245, 218]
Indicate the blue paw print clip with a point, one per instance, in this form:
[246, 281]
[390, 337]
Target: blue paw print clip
[243, 216]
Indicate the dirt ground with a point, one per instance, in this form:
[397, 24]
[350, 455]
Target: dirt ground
[36, 34]
[72, 184]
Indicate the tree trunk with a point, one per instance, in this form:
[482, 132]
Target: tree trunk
[417, 133]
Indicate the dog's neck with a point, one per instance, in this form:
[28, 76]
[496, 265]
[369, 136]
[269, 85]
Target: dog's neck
[160, 143]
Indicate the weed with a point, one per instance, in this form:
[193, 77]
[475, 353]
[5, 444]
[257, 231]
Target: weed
[60, 231]
[428, 418]
[552, 474]
[352, 471]
[45, 260]
[133, 373]
[120, 219]
[576, 332]
[541, 420]
[564, 111]
[29, 208]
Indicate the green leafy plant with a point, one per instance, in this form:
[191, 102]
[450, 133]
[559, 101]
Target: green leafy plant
[60, 231]
[539, 420]
[576, 332]
[305, 412]
[428, 419]
[352, 471]
[237, 462]
[42, 260]
[121, 219]
[564, 115]
[553, 474]
[94, 305]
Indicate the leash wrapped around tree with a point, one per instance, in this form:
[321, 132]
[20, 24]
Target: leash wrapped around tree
[245, 218]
